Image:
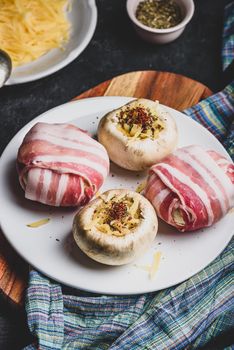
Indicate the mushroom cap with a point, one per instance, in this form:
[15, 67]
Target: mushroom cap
[137, 154]
[111, 249]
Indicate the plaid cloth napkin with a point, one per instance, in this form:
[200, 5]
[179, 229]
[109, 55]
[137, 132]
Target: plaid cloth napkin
[187, 316]
[228, 36]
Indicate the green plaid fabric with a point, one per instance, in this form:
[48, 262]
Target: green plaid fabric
[187, 316]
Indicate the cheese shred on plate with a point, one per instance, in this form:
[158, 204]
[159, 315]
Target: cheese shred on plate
[31, 28]
[39, 223]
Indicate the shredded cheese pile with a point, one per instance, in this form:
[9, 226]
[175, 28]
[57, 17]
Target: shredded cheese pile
[117, 216]
[139, 123]
[31, 28]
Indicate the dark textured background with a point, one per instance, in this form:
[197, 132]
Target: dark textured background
[114, 49]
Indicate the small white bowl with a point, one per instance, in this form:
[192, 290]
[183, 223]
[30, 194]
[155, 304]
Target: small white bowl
[161, 36]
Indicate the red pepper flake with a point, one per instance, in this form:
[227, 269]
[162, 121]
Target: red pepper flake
[117, 211]
[137, 115]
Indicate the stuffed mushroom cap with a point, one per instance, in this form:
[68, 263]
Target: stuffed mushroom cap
[116, 228]
[139, 134]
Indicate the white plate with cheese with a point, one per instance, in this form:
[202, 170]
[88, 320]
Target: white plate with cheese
[173, 257]
[83, 18]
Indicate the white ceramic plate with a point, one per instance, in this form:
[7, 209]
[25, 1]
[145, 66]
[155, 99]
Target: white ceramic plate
[83, 19]
[50, 248]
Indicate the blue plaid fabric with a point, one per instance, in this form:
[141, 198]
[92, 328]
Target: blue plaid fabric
[216, 113]
[228, 36]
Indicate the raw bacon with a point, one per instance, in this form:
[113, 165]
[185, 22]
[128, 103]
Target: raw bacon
[191, 188]
[61, 165]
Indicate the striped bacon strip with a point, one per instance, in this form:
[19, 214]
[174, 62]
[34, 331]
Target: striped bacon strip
[61, 165]
[191, 188]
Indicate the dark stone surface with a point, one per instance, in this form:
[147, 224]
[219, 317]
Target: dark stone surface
[114, 49]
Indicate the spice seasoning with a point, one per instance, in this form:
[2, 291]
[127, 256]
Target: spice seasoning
[140, 122]
[137, 116]
[117, 211]
[160, 14]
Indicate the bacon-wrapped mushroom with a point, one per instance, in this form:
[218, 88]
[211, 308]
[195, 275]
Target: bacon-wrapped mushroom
[191, 188]
[61, 165]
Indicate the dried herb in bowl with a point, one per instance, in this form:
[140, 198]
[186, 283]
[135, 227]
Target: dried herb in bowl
[159, 14]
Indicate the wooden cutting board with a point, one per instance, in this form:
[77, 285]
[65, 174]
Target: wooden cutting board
[173, 90]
